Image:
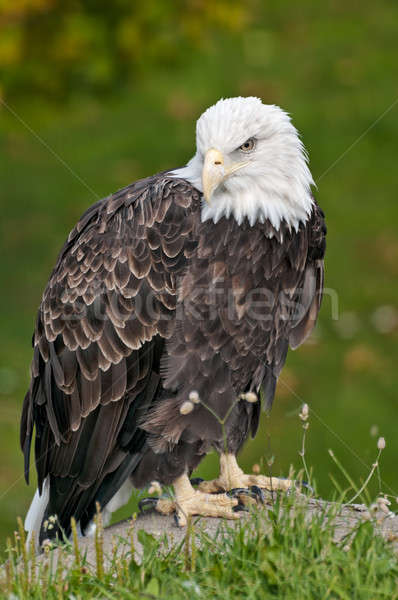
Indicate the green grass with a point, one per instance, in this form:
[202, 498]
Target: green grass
[334, 69]
[282, 554]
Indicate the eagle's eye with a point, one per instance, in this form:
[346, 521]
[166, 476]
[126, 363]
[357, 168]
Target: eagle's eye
[248, 146]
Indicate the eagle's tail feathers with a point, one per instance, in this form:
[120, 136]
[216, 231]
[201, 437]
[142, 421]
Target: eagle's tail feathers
[37, 509]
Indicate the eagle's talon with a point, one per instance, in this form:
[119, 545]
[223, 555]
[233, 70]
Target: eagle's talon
[235, 492]
[252, 492]
[306, 486]
[240, 508]
[163, 505]
[147, 502]
[258, 493]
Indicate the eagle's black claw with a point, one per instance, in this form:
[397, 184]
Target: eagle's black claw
[177, 519]
[258, 493]
[147, 503]
[238, 492]
[196, 480]
[240, 508]
[306, 486]
[253, 492]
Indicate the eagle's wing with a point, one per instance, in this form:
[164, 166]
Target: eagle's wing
[100, 330]
[308, 296]
[299, 294]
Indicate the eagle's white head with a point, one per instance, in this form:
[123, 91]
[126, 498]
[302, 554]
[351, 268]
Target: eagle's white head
[250, 162]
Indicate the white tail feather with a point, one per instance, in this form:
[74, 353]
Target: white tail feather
[34, 517]
[36, 512]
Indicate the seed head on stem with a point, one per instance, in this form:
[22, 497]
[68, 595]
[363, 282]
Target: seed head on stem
[154, 488]
[194, 397]
[249, 397]
[304, 412]
[304, 418]
[381, 443]
[186, 407]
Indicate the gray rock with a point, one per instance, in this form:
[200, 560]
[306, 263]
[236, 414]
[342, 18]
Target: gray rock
[164, 528]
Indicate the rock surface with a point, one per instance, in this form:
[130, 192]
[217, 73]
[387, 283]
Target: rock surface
[119, 535]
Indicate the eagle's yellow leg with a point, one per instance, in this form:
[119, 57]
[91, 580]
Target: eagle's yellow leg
[189, 501]
[231, 477]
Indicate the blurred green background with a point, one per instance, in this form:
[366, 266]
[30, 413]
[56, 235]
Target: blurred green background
[96, 94]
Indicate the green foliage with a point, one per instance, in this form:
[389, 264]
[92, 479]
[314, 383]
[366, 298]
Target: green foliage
[55, 46]
[280, 554]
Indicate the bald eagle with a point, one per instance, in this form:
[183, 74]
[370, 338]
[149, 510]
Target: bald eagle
[171, 304]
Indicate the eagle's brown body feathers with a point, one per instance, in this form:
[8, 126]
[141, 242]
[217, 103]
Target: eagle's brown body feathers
[147, 303]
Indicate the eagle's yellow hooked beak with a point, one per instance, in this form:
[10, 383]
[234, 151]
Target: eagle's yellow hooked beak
[214, 172]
